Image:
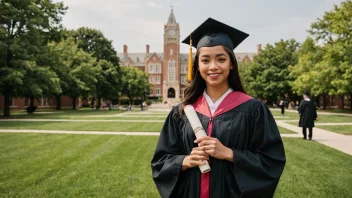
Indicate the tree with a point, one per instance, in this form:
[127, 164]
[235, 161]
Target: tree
[23, 25]
[333, 31]
[77, 70]
[94, 42]
[134, 83]
[268, 75]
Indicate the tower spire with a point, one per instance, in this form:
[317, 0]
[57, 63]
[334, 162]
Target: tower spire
[171, 20]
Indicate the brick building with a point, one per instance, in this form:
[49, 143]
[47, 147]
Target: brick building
[168, 70]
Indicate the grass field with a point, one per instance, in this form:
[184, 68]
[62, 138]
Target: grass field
[285, 131]
[343, 129]
[85, 126]
[47, 165]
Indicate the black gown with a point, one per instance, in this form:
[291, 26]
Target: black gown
[248, 129]
[308, 113]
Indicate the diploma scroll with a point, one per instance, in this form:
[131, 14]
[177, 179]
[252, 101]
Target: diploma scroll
[198, 130]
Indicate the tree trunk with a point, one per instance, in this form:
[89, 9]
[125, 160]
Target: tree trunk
[6, 103]
[342, 97]
[324, 101]
[98, 103]
[74, 103]
[58, 102]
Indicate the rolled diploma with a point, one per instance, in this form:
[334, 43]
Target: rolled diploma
[198, 130]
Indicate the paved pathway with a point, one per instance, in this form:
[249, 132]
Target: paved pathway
[335, 140]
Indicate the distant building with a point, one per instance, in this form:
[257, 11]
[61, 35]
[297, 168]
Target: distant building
[168, 70]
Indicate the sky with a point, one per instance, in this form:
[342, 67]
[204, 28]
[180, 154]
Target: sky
[136, 23]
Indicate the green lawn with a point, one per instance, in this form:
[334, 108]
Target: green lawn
[285, 131]
[85, 126]
[343, 129]
[44, 165]
[48, 165]
[322, 118]
[314, 170]
[336, 111]
[86, 114]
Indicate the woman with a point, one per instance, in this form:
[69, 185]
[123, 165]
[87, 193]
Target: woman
[243, 146]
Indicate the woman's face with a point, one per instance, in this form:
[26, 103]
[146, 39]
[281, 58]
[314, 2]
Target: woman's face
[214, 66]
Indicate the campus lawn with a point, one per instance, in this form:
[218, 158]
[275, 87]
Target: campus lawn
[87, 114]
[45, 165]
[343, 129]
[285, 131]
[48, 165]
[314, 170]
[321, 118]
[346, 110]
[85, 126]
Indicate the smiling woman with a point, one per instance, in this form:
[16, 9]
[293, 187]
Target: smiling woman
[243, 144]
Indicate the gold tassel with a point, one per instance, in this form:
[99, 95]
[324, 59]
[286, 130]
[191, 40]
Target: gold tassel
[190, 62]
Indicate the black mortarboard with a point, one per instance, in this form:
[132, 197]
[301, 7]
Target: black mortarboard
[212, 33]
[306, 93]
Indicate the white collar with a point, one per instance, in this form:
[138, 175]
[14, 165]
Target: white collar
[307, 99]
[214, 105]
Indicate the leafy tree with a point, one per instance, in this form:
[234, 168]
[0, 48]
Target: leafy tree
[24, 26]
[134, 83]
[94, 42]
[333, 31]
[77, 70]
[268, 75]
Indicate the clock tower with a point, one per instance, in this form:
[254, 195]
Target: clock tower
[171, 62]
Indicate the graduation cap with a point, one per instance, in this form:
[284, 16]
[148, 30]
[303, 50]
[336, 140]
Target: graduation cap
[306, 93]
[212, 33]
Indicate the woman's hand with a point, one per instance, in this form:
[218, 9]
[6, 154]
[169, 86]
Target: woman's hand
[196, 158]
[214, 148]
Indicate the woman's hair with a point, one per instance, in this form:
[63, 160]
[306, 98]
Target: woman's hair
[197, 85]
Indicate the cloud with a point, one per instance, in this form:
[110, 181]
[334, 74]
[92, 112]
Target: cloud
[154, 5]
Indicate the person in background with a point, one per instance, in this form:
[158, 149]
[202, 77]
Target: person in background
[308, 114]
[282, 106]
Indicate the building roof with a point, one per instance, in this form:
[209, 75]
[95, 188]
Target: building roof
[138, 59]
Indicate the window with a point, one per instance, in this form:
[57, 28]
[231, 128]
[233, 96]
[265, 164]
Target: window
[151, 92]
[26, 102]
[171, 51]
[172, 76]
[151, 68]
[150, 79]
[157, 79]
[172, 71]
[157, 91]
[183, 69]
[158, 68]
[183, 80]
[44, 101]
[172, 64]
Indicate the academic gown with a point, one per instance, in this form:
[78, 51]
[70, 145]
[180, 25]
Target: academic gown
[308, 114]
[241, 123]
